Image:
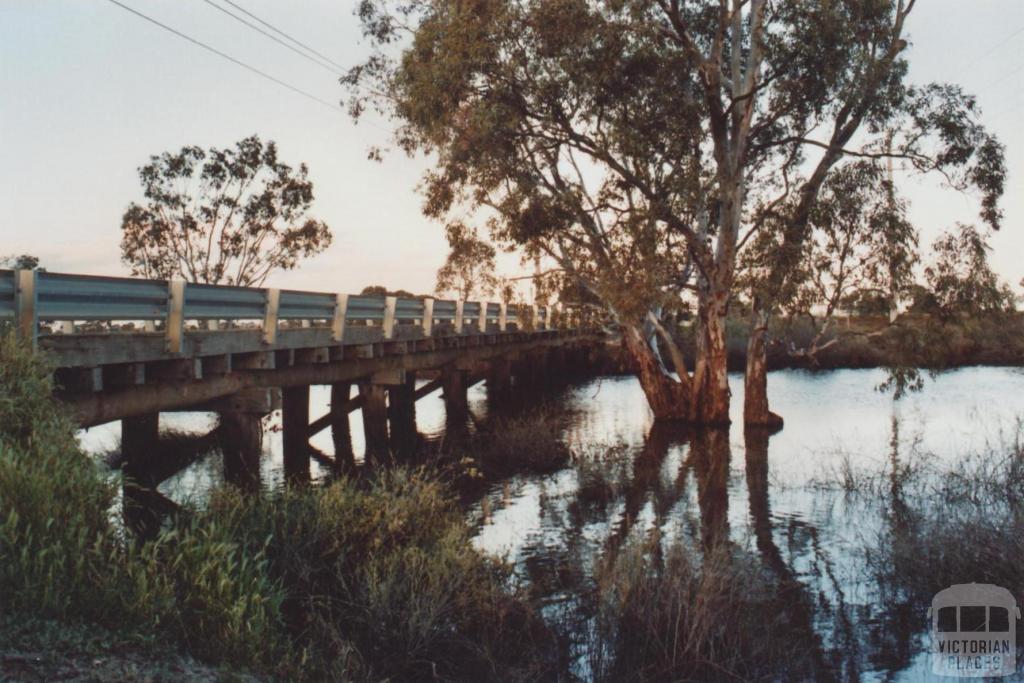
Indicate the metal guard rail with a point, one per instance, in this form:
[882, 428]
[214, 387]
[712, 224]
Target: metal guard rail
[30, 297]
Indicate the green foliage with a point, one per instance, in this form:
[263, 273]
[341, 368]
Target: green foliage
[469, 268]
[358, 580]
[960, 280]
[21, 262]
[221, 216]
[381, 290]
[55, 537]
[644, 147]
[532, 442]
[382, 579]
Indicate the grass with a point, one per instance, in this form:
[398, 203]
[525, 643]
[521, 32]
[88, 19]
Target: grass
[952, 523]
[673, 613]
[359, 580]
[941, 523]
[532, 442]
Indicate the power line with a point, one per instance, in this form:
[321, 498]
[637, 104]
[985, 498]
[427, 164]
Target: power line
[274, 38]
[990, 51]
[279, 31]
[229, 57]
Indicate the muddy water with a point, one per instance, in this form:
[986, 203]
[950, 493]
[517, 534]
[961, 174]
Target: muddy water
[783, 500]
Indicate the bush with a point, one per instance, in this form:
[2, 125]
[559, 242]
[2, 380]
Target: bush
[358, 580]
[55, 535]
[381, 580]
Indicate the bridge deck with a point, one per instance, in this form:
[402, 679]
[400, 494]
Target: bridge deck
[160, 357]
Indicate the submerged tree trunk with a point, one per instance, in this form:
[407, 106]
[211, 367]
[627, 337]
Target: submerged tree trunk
[755, 380]
[710, 400]
[667, 397]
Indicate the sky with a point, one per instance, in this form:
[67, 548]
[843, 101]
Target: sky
[90, 91]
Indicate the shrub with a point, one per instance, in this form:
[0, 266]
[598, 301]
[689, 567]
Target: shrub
[55, 533]
[381, 581]
[358, 580]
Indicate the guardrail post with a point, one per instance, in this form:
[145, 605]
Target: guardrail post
[428, 317]
[338, 324]
[270, 316]
[482, 323]
[459, 307]
[390, 302]
[502, 316]
[175, 324]
[25, 302]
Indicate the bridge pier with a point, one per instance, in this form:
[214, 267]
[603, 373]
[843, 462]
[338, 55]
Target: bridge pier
[295, 426]
[375, 420]
[531, 370]
[241, 437]
[456, 402]
[499, 377]
[402, 417]
[341, 433]
[242, 445]
[139, 439]
[557, 366]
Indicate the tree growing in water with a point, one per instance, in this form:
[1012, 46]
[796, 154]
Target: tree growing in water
[643, 145]
[228, 216]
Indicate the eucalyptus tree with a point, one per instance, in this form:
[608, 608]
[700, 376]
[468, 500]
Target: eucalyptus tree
[859, 254]
[21, 261]
[221, 216]
[842, 96]
[959, 280]
[469, 269]
[642, 144]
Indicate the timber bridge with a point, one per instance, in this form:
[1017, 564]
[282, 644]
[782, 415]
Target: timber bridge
[128, 349]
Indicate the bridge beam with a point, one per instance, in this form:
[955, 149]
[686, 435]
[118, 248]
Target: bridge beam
[92, 407]
[295, 425]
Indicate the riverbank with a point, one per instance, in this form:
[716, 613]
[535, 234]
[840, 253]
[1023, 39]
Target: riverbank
[628, 551]
[866, 342]
[365, 578]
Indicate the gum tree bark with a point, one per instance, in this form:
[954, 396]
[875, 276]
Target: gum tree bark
[667, 397]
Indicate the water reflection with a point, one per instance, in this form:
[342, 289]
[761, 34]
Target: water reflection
[837, 512]
[823, 508]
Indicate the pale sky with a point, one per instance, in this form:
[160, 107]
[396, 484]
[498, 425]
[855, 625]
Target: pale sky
[91, 91]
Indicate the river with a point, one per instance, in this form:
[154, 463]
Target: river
[813, 503]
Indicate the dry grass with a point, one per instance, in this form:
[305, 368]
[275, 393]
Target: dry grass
[674, 613]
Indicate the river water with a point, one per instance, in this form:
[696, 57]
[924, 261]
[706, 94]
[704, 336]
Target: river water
[802, 501]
